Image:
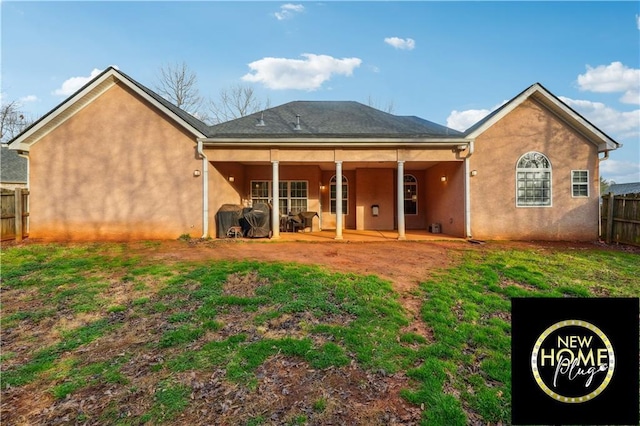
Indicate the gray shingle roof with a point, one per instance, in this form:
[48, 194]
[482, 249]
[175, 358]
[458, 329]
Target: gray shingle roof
[624, 188]
[329, 119]
[13, 168]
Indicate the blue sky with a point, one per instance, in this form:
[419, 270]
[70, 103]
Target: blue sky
[448, 62]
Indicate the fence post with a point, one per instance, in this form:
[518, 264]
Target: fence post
[609, 229]
[18, 213]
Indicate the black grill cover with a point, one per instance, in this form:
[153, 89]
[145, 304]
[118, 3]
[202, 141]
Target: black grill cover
[228, 215]
[257, 221]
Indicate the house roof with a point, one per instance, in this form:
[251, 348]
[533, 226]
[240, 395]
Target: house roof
[541, 95]
[13, 167]
[624, 188]
[92, 90]
[308, 119]
[329, 119]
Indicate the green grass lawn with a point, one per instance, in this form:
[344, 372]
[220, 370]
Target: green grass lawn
[134, 339]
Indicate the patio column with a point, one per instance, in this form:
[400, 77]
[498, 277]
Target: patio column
[275, 210]
[338, 200]
[400, 191]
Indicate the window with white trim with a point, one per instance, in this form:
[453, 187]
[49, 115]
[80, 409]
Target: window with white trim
[580, 183]
[345, 194]
[260, 191]
[533, 180]
[293, 195]
[410, 195]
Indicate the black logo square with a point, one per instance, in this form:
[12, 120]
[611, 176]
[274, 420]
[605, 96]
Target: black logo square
[574, 360]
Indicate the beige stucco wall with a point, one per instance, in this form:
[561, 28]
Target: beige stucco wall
[375, 186]
[446, 199]
[116, 170]
[494, 214]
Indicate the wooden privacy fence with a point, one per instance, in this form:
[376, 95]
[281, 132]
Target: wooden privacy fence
[620, 219]
[14, 207]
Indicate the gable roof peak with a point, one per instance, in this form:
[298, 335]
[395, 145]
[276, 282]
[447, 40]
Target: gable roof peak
[92, 90]
[541, 95]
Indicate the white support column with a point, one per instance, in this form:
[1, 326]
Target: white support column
[275, 211]
[467, 198]
[338, 200]
[401, 230]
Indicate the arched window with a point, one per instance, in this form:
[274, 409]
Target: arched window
[533, 180]
[345, 194]
[410, 194]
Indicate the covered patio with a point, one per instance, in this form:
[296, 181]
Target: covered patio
[357, 168]
[351, 235]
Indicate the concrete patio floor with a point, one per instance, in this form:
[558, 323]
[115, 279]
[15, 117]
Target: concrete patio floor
[353, 235]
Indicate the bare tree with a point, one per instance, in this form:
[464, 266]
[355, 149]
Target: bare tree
[12, 121]
[235, 102]
[179, 85]
[604, 185]
[389, 108]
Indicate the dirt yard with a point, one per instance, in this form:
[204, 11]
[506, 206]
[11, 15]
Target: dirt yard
[405, 263]
[354, 396]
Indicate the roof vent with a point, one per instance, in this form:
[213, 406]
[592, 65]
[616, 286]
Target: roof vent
[297, 126]
[261, 121]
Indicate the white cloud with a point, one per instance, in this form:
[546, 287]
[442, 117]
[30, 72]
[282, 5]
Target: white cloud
[617, 124]
[620, 171]
[462, 120]
[71, 85]
[287, 11]
[623, 127]
[28, 98]
[301, 74]
[401, 43]
[631, 97]
[612, 78]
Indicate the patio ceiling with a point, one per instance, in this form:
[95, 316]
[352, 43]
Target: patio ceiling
[350, 165]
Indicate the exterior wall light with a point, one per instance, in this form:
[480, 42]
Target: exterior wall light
[231, 179]
[474, 172]
[196, 173]
[443, 178]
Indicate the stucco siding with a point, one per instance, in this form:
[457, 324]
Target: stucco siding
[375, 187]
[445, 200]
[116, 170]
[494, 214]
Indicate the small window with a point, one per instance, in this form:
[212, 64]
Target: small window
[345, 195]
[410, 195]
[580, 183]
[533, 180]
